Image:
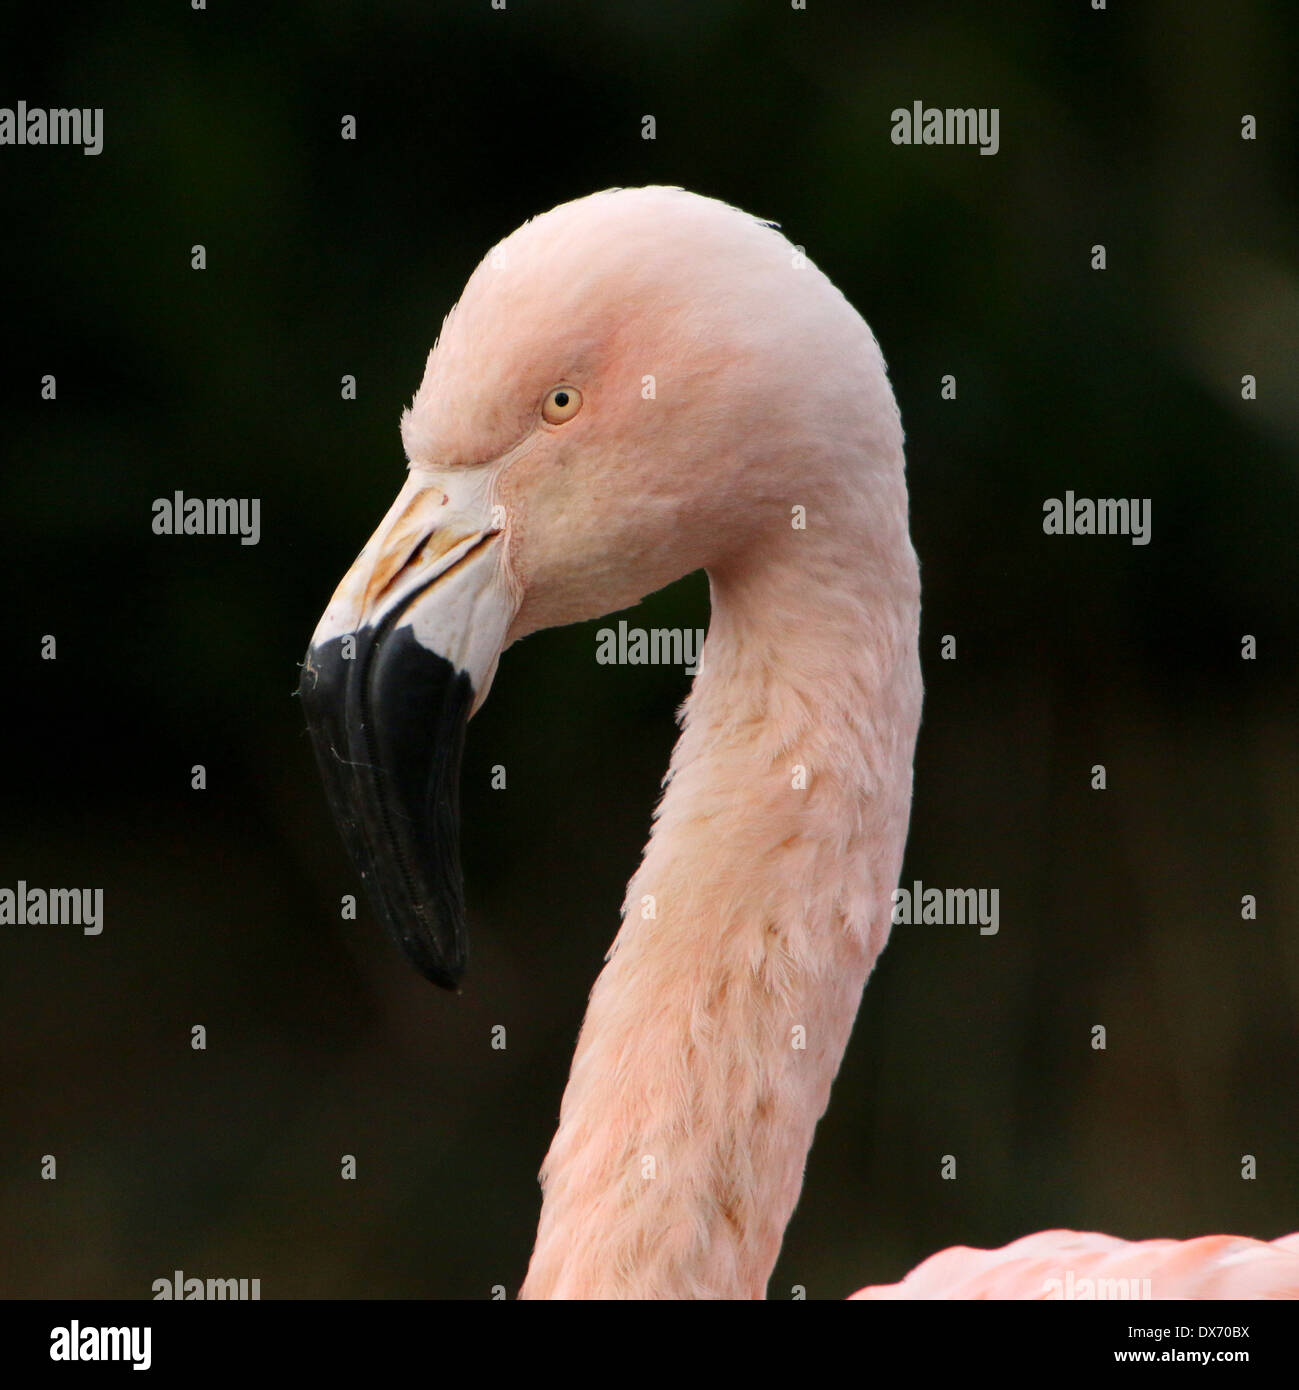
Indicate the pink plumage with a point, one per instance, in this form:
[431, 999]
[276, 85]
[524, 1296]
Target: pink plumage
[1084, 1265]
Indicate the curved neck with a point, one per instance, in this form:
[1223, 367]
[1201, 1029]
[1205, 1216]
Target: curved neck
[716, 1028]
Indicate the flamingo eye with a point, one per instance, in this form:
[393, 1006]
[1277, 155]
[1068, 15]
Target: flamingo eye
[562, 404]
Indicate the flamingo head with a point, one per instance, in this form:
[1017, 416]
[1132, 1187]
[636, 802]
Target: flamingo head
[632, 386]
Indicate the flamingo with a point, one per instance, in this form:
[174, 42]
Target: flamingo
[633, 386]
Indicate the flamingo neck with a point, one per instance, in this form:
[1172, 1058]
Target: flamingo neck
[763, 898]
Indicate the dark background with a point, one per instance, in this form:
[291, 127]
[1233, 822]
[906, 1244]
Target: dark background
[327, 257]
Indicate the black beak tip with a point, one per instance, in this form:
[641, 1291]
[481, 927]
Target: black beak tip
[442, 973]
[387, 717]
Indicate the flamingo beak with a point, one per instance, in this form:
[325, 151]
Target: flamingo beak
[402, 657]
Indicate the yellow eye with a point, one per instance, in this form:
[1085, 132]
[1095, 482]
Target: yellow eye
[562, 404]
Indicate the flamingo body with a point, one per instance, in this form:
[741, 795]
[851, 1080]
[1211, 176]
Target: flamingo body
[1084, 1265]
